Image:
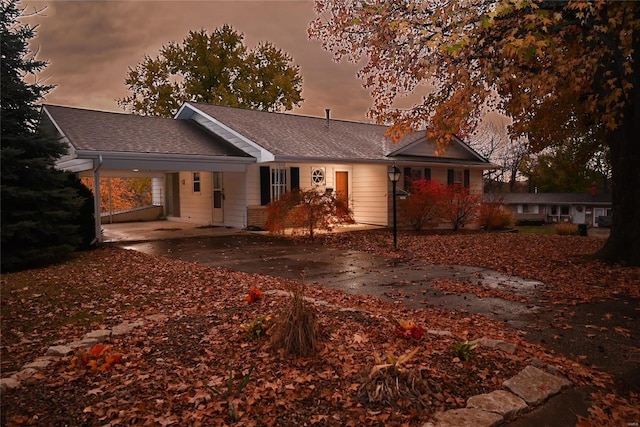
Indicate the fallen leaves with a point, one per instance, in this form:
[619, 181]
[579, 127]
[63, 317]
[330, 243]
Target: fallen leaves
[173, 364]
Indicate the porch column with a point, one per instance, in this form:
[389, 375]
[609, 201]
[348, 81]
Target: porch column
[97, 163]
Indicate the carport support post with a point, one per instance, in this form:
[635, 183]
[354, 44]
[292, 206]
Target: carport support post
[96, 200]
[394, 177]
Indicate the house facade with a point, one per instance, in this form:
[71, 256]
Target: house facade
[216, 165]
[576, 208]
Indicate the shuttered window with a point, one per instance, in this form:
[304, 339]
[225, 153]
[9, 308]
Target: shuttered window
[273, 182]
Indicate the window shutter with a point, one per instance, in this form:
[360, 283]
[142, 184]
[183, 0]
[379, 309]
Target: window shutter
[407, 178]
[466, 178]
[295, 178]
[427, 174]
[449, 176]
[265, 185]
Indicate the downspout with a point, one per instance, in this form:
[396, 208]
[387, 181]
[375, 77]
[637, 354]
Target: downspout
[96, 201]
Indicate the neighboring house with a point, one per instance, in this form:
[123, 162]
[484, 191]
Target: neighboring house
[222, 165]
[576, 208]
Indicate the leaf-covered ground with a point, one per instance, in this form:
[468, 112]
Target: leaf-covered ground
[188, 369]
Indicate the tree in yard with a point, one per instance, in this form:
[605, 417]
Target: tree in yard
[308, 209]
[559, 70]
[216, 69]
[568, 167]
[40, 208]
[492, 142]
[120, 194]
[424, 204]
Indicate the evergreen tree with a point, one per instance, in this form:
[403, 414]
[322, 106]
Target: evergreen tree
[38, 207]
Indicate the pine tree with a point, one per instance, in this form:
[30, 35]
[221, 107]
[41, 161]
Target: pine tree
[39, 208]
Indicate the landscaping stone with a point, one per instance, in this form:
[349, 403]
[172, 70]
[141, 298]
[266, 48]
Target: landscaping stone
[59, 350]
[37, 364]
[500, 401]
[9, 384]
[99, 335]
[24, 374]
[535, 385]
[467, 417]
[500, 345]
[85, 343]
[125, 328]
[438, 332]
[156, 317]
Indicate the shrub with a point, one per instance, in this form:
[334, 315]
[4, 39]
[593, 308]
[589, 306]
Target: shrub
[307, 209]
[424, 204]
[567, 229]
[493, 216]
[461, 205]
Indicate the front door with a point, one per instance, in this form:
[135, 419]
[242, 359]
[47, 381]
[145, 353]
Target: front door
[342, 186]
[217, 216]
[172, 189]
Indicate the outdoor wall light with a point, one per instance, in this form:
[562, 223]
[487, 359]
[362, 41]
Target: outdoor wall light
[394, 177]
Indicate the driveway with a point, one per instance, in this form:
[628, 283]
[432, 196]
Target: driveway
[350, 271]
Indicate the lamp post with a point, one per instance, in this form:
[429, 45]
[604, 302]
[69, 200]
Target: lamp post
[394, 176]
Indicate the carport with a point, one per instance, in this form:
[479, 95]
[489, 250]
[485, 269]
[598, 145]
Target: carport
[102, 144]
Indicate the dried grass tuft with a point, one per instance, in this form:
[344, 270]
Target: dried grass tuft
[393, 385]
[296, 330]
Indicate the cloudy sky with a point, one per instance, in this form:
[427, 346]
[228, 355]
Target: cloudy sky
[90, 44]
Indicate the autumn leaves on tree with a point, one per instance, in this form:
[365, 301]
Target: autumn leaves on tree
[558, 70]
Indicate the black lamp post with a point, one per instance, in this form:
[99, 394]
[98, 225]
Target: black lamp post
[394, 177]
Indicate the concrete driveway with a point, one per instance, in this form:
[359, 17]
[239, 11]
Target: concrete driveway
[350, 271]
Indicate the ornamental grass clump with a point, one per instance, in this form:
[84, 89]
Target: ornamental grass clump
[392, 384]
[296, 329]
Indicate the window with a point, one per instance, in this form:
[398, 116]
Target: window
[413, 174]
[564, 210]
[196, 182]
[278, 182]
[459, 177]
[529, 209]
[317, 176]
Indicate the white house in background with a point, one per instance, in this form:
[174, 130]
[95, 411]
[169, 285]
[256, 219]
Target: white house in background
[216, 165]
[576, 208]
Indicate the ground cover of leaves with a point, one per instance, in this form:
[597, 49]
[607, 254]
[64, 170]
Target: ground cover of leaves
[188, 368]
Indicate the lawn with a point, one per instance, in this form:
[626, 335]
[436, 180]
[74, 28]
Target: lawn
[202, 362]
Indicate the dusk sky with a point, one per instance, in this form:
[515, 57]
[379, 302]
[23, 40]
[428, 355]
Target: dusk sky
[90, 44]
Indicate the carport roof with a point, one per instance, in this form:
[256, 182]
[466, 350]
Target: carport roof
[90, 130]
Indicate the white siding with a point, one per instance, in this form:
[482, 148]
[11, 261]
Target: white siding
[253, 185]
[370, 194]
[235, 200]
[195, 208]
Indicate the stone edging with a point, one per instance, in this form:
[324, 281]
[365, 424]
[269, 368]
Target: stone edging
[54, 353]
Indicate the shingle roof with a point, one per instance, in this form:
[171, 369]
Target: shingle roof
[555, 198]
[117, 132]
[299, 136]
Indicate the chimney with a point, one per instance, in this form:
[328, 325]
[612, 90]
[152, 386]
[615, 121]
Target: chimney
[328, 111]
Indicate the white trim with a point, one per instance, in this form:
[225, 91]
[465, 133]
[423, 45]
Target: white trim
[250, 147]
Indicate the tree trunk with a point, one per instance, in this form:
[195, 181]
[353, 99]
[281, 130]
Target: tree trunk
[624, 242]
